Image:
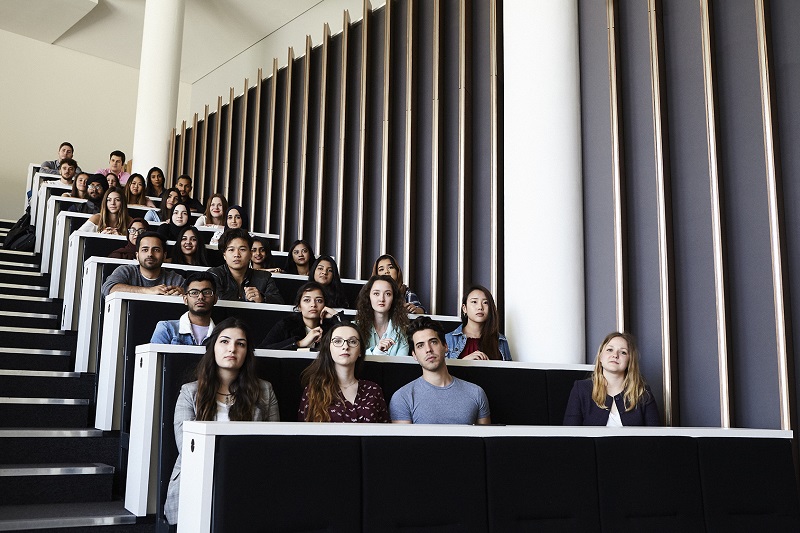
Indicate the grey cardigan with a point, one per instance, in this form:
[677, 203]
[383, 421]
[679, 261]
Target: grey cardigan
[185, 410]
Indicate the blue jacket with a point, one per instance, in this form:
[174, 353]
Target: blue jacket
[456, 340]
[582, 411]
[177, 332]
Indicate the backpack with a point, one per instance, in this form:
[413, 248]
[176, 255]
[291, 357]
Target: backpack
[21, 236]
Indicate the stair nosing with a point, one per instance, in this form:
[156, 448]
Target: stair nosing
[39, 373]
[34, 351]
[58, 469]
[15, 400]
[35, 433]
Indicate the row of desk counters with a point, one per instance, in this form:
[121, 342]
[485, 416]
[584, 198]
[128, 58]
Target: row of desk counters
[239, 476]
[519, 394]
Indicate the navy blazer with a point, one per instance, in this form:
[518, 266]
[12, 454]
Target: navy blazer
[582, 411]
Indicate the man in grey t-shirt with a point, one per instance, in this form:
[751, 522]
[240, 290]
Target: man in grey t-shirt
[147, 277]
[436, 397]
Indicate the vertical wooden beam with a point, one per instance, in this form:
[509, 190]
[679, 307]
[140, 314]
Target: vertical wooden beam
[286, 127]
[462, 144]
[229, 138]
[182, 148]
[664, 213]
[203, 146]
[362, 141]
[242, 145]
[193, 148]
[323, 95]
[407, 161]
[387, 57]
[273, 99]
[301, 208]
[494, 100]
[723, 338]
[217, 134]
[777, 231]
[254, 152]
[435, 126]
[342, 135]
[171, 162]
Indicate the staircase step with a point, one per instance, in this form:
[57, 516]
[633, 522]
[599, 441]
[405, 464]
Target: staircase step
[50, 339]
[37, 446]
[36, 359]
[36, 320]
[55, 483]
[36, 383]
[20, 257]
[30, 304]
[101, 517]
[23, 277]
[21, 265]
[18, 412]
[24, 290]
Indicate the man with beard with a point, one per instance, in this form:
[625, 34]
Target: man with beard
[195, 325]
[436, 397]
[184, 186]
[235, 279]
[147, 277]
[65, 151]
[96, 187]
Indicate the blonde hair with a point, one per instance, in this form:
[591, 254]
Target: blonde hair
[633, 386]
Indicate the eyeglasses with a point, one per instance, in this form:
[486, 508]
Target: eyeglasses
[95, 187]
[195, 293]
[134, 231]
[351, 342]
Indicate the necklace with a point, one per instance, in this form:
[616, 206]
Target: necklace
[228, 398]
[343, 387]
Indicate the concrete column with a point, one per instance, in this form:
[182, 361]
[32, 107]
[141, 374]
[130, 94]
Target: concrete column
[159, 78]
[543, 238]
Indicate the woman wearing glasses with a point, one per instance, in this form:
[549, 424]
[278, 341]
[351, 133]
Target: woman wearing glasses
[135, 228]
[332, 391]
[381, 317]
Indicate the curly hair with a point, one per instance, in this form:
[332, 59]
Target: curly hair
[365, 315]
[320, 380]
[245, 389]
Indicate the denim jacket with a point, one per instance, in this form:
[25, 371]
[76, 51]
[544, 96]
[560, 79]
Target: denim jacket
[177, 332]
[456, 340]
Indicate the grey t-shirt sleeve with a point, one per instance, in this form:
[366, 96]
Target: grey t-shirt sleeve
[122, 274]
[399, 405]
[483, 404]
[173, 278]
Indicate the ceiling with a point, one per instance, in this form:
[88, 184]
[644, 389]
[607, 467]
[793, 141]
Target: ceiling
[214, 30]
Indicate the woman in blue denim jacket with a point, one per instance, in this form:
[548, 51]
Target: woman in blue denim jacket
[478, 336]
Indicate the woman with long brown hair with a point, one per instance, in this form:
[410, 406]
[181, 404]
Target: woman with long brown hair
[478, 336]
[134, 191]
[113, 216]
[214, 216]
[332, 391]
[227, 388]
[616, 394]
[381, 317]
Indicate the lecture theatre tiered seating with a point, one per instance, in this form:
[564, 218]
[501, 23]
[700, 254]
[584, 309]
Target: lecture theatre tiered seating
[526, 472]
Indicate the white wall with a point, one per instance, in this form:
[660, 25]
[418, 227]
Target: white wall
[50, 94]
[246, 65]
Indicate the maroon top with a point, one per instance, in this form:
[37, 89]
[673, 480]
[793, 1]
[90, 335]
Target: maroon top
[369, 405]
[473, 345]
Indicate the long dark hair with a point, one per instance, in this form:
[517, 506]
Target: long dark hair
[365, 315]
[165, 214]
[199, 257]
[400, 283]
[130, 198]
[320, 377]
[291, 267]
[245, 389]
[245, 220]
[149, 190]
[334, 292]
[269, 259]
[490, 329]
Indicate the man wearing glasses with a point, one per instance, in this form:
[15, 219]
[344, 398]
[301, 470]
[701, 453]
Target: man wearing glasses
[195, 325]
[436, 397]
[96, 187]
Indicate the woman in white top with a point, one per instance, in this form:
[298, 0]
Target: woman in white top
[113, 216]
[214, 217]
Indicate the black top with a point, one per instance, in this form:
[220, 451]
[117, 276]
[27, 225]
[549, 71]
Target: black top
[287, 331]
[228, 289]
[582, 411]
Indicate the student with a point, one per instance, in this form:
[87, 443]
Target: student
[300, 258]
[113, 181]
[113, 216]
[147, 277]
[195, 325]
[381, 318]
[96, 188]
[303, 329]
[332, 392]
[65, 151]
[214, 216]
[387, 265]
[235, 218]
[616, 394]
[134, 191]
[155, 182]
[326, 273]
[189, 248]
[227, 388]
[235, 279]
[78, 187]
[178, 219]
[116, 161]
[169, 199]
[184, 185]
[66, 170]
[135, 228]
[436, 397]
[478, 336]
[261, 257]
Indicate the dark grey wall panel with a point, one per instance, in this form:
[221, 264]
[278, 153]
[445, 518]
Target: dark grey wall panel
[640, 185]
[234, 161]
[742, 173]
[277, 154]
[596, 155]
[295, 152]
[312, 147]
[261, 171]
[347, 263]
[694, 267]
[329, 202]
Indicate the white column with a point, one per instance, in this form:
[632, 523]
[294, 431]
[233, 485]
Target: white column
[543, 238]
[159, 78]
